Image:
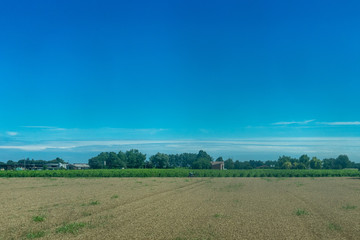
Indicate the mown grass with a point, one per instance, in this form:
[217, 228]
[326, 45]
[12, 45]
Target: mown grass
[301, 212]
[38, 218]
[263, 173]
[36, 234]
[349, 207]
[72, 228]
[91, 203]
[334, 227]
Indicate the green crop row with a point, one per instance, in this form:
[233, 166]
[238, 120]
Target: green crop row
[181, 173]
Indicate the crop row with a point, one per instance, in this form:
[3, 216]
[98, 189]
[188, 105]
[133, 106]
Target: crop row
[181, 173]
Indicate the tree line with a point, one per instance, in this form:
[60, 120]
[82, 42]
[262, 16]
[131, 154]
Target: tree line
[28, 163]
[135, 159]
[202, 160]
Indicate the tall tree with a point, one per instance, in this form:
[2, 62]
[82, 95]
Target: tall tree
[315, 163]
[113, 161]
[304, 159]
[160, 160]
[201, 163]
[229, 164]
[99, 161]
[342, 161]
[203, 154]
[122, 156]
[328, 163]
[135, 159]
[282, 160]
[219, 159]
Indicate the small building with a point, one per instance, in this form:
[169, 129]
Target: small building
[56, 166]
[80, 166]
[217, 165]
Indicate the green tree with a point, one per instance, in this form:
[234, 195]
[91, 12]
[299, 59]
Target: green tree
[282, 160]
[237, 164]
[201, 163]
[328, 163]
[113, 161]
[135, 159]
[203, 154]
[342, 161]
[305, 160]
[287, 165]
[297, 165]
[99, 161]
[315, 163]
[219, 159]
[2, 165]
[122, 156]
[187, 159]
[160, 160]
[229, 164]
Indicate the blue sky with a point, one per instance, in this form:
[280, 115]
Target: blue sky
[81, 77]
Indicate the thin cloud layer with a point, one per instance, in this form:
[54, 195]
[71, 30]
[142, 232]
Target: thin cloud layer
[243, 149]
[341, 123]
[294, 122]
[10, 133]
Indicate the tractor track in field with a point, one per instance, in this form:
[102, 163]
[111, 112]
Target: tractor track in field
[314, 211]
[127, 208]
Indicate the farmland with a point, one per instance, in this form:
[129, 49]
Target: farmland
[180, 208]
[182, 172]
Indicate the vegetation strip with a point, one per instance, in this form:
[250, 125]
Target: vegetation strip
[183, 173]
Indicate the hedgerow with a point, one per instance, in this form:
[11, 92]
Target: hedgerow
[181, 173]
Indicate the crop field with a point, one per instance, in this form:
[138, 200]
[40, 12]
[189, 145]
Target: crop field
[182, 172]
[180, 208]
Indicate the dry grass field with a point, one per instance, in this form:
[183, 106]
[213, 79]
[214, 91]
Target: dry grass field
[180, 208]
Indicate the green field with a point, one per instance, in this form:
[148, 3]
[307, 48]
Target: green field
[182, 173]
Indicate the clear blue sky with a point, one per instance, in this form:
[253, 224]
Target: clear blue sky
[75, 75]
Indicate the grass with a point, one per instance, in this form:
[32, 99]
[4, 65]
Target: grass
[72, 228]
[266, 179]
[94, 203]
[217, 215]
[37, 234]
[232, 187]
[38, 218]
[301, 212]
[349, 207]
[299, 184]
[114, 196]
[85, 214]
[334, 227]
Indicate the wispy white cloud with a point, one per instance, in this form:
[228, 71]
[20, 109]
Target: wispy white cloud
[46, 127]
[272, 143]
[80, 144]
[11, 133]
[341, 123]
[242, 149]
[294, 122]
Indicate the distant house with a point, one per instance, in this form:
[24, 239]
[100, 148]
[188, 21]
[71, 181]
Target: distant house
[217, 165]
[263, 167]
[79, 166]
[56, 166]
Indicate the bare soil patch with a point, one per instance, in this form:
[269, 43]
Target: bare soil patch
[180, 208]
